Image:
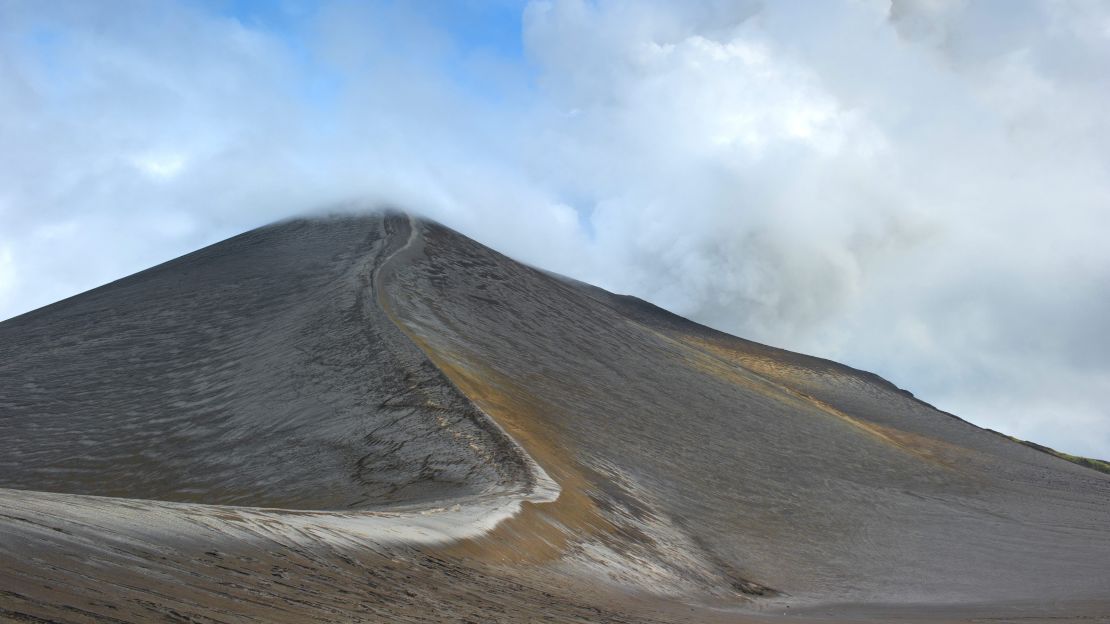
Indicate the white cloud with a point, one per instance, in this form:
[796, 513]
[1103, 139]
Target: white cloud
[8, 282]
[159, 166]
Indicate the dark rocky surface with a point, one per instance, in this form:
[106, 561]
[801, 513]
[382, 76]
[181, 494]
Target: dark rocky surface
[382, 383]
[259, 371]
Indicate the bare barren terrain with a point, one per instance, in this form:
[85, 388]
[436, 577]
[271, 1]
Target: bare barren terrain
[373, 418]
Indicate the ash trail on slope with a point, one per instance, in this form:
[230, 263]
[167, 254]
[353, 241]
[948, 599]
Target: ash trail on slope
[772, 469]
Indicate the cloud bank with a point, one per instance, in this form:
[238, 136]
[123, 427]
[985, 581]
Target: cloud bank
[920, 188]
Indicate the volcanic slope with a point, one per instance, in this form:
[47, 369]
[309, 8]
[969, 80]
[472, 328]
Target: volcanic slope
[370, 418]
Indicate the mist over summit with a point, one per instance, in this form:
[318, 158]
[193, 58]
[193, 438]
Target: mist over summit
[915, 188]
[554, 310]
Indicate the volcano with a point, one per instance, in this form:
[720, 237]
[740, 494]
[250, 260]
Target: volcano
[372, 418]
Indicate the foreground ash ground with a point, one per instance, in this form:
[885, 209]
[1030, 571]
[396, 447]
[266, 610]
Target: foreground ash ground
[375, 419]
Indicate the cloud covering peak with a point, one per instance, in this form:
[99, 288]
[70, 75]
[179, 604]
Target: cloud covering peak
[914, 188]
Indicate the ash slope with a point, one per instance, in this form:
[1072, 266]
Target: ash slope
[797, 474]
[259, 371]
[381, 363]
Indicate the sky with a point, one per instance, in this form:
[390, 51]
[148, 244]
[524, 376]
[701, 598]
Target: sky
[920, 189]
